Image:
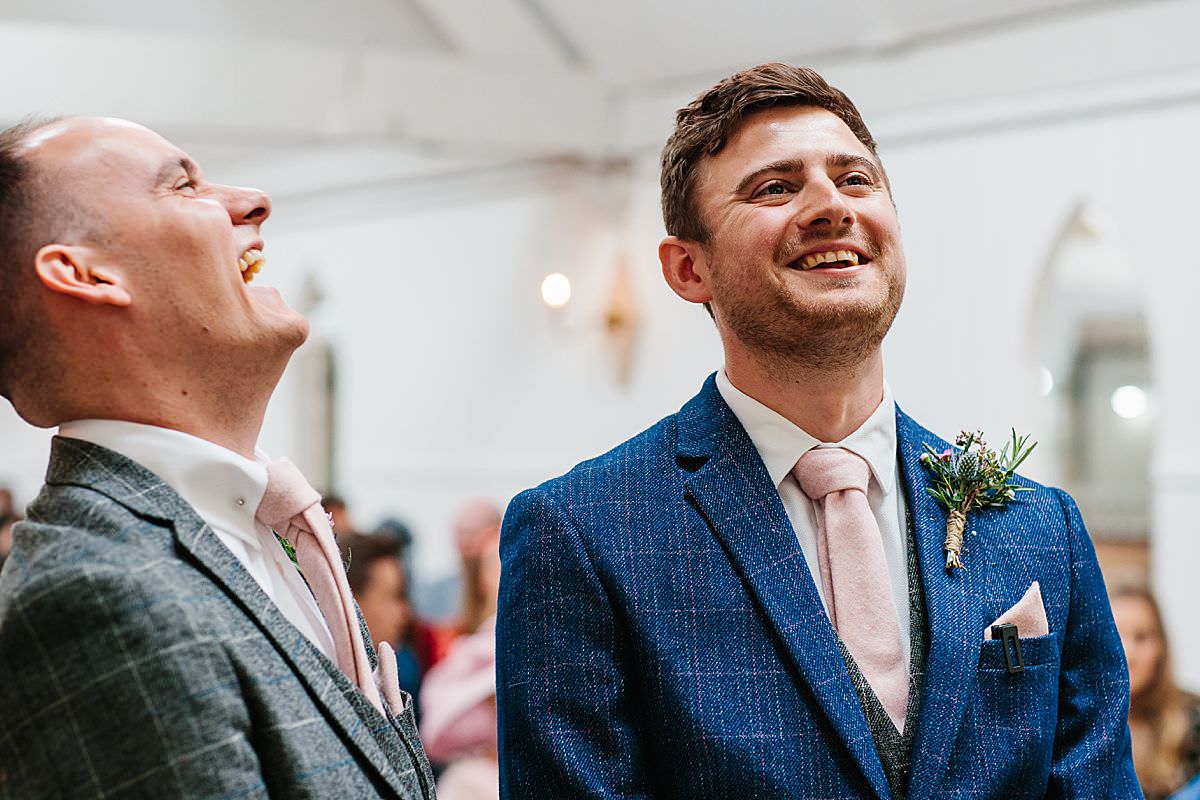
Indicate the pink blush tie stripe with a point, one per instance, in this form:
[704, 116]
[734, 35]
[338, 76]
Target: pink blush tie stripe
[293, 508]
[854, 572]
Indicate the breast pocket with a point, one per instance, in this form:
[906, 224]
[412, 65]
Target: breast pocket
[1036, 652]
[1017, 713]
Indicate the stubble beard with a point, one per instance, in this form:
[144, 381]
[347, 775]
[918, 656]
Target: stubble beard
[786, 331]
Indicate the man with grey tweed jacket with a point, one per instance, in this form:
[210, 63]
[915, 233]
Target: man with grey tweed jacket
[155, 640]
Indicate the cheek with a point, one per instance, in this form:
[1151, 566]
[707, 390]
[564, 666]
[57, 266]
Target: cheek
[204, 224]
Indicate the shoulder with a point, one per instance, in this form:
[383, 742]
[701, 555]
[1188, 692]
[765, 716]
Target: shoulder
[574, 512]
[73, 532]
[646, 457]
[91, 590]
[85, 568]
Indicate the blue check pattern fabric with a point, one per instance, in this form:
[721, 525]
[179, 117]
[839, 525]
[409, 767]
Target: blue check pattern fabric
[660, 636]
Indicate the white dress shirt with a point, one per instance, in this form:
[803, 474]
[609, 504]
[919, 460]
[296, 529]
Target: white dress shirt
[225, 489]
[780, 445]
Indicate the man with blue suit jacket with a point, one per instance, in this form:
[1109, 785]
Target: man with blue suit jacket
[156, 641]
[750, 599]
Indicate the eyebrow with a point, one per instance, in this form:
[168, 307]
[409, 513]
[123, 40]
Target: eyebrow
[171, 168]
[793, 165]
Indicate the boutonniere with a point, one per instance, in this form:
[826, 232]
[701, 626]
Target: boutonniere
[971, 479]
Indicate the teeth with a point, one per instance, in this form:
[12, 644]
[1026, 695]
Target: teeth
[250, 263]
[829, 257]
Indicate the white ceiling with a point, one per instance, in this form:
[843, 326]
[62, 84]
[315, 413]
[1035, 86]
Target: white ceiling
[627, 42]
[390, 23]
[397, 83]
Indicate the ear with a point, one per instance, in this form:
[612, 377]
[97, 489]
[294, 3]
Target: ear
[685, 268]
[66, 269]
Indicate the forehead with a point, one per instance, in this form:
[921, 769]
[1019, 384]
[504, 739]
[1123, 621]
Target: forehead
[805, 133]
[100, 148]
[386, 572]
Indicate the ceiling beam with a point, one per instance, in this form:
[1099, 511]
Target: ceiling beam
[273, 94]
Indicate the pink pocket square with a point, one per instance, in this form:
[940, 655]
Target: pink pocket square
[388, 680]
[1029, 615]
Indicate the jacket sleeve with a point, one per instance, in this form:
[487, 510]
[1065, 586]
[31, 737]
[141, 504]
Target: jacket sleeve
[568, 703]
[1092, 755]
[108, 690]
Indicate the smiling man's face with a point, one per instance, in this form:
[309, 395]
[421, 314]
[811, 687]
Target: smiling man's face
[804, 258]
[175, 242]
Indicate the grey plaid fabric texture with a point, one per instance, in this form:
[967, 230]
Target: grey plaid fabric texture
[139, 659]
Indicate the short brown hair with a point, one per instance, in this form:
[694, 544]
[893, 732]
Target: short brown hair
[17, 199]
[28, 219]
[702, 128]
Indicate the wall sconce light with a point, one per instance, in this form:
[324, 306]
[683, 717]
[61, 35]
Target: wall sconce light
[556, 290]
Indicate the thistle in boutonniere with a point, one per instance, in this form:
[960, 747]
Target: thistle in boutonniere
[972, 479]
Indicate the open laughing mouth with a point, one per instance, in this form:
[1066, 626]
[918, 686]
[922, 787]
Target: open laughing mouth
[830, 259]
[251, 263]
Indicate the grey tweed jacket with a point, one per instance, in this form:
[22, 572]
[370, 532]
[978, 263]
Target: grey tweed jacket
[139, 659]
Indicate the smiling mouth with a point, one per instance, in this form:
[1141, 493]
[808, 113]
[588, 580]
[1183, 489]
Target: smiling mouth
[250, 263]
[830, 259]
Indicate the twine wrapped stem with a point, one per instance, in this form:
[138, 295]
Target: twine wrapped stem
[954, 539]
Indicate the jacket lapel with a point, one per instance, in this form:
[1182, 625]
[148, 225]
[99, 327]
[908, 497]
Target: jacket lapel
[126, 482]
[952, 608]
[733, 491]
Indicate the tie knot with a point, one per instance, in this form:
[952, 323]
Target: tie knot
[824, 470]
[288, 494]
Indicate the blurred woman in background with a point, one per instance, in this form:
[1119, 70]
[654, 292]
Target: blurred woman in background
[458, 720]
[1163, 720]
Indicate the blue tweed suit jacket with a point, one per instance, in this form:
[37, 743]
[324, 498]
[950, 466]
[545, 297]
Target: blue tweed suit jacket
[660, 636]
[139, 659]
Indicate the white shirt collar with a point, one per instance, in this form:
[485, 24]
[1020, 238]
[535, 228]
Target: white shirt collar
[780, 443]
[223, 487]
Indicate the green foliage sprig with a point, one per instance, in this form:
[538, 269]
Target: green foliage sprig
[973, 478]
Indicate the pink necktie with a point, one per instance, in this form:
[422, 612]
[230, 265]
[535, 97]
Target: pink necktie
[854, 572]
[293, 509]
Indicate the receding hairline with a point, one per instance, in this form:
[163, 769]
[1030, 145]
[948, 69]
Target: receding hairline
[42, 131]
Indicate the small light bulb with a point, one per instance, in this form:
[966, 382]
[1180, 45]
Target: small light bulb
[556, 290]
[1128, 402]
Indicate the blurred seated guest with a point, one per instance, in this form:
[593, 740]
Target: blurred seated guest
[380, 587]
[447, 600]
[339, 514]
[458, 722]
[6, 502]
[423, 639]
[1164, 721]
[7, 521]
[393, 528]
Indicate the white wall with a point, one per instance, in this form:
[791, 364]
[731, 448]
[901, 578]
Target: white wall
[455, 379]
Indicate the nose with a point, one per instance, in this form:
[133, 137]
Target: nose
[824, 205]
[247, 206]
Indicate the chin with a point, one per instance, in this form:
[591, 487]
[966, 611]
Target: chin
[288, 340]
[282, 323]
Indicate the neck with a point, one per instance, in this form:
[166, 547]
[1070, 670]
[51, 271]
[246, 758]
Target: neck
[827, 403]
[227, 412]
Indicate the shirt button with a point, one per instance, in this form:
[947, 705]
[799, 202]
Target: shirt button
[241, 501]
